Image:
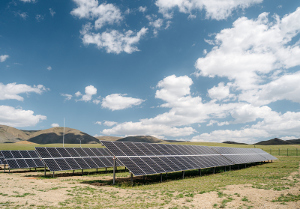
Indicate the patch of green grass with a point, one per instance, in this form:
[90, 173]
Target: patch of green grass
[22, 195]
[288, 198]
[245, 199]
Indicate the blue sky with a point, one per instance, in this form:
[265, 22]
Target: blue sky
[185, 70]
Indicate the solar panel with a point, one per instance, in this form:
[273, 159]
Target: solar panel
[241, 155]
[21, 159]
[145, 158]
[59, 158]
[264, 154]
[1, 159]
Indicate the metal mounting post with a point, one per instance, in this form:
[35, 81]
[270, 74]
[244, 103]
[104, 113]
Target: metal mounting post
[45, 171]
[131, 176]
[53, 174]
[161, 178]
[73, 172]
[225, 168]
[183, 172]
[114, 170]
[230, 167]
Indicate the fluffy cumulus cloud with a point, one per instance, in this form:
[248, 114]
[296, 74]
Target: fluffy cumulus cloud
[138, 128]
[215, 9]
[3, 57]
[19, 118]
[253, 51]
[119, 102]
[12, 90]
[103, 13]
[109, 123]
[113, 41]
[256, 55]
[89, 92]
[54, 125]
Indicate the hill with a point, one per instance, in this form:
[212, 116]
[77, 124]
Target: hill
[55, 135]
[148, 139]
[10, 135]
[274, 141]
[294, 141]
[232, 142]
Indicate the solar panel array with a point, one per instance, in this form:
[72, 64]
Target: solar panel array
[59, 159]
[1, 159]
[264, 154]
[145, 158]
[22, 159]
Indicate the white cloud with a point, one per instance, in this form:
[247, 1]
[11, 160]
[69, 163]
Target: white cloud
[120, 102]
[142, 9]
[273, 125]
[138, 128]
[3, 57]
[89, 92]
[109, 123]
[52, 12]
[78, 94]
[23, 15]
[251, 53]
[39, 17]
[96, 101]
[28, 1]
[220, 92]
[103, 13]
[215, 9]
[54, 125]
[49, 68]
[98, 122]
[19, 118]
[113, 41]
[12, 90]
[67, 96]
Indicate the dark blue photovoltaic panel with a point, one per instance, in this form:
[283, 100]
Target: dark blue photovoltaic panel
[20, 159]
[76, 158]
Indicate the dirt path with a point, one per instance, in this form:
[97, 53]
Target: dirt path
[28, 190]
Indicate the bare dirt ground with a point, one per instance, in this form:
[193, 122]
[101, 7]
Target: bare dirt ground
[25, 189]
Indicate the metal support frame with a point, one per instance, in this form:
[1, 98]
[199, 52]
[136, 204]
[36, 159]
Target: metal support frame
[106, 169]
[8, 169]
[53, 174]
[131, 176]
[245, 165]
[225, 168]
[45, 170]
[114, 170]
[183, 172]
[97, 170]
[161, 178]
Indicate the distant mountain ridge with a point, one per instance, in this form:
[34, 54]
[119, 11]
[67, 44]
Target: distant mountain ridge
[55, 136]
[277, 141]
[47, 136]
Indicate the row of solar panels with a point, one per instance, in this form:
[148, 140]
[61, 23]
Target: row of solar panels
[145, 159]
[59, 159]
[21, 159]
[140, 158]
